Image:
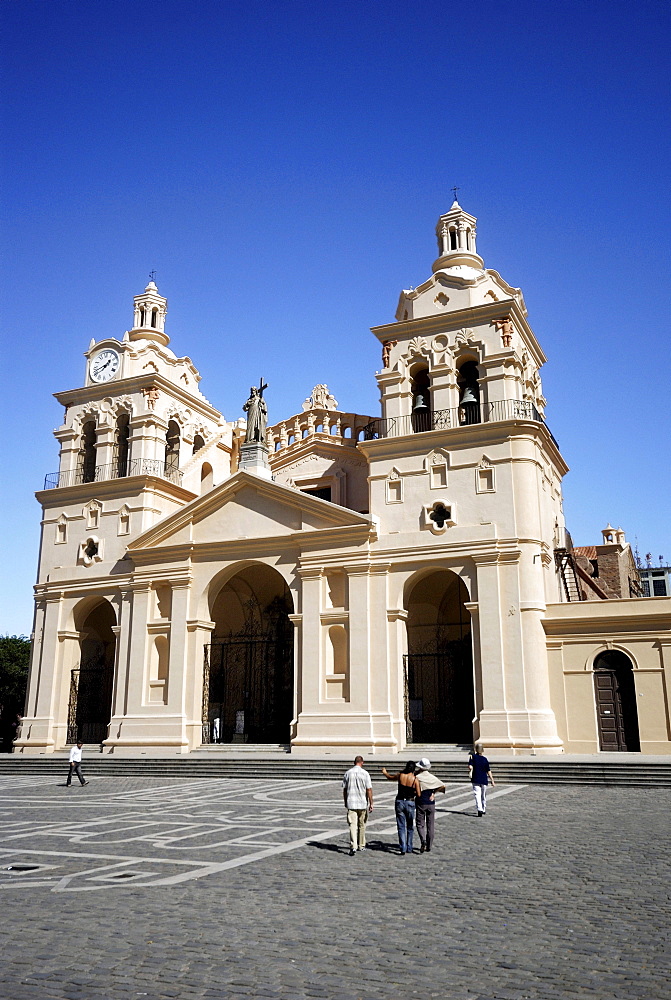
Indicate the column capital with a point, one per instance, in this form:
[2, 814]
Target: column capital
[196, 624]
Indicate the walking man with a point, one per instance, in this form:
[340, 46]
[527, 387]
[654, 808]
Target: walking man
[480, 776]
[357, 793]
[76, 765]
[427, 785]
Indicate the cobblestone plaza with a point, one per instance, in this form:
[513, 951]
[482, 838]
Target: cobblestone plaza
[131, 888]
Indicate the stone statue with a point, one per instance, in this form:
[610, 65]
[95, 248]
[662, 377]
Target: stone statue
[257, 415]
[386, 352]
[506, 327]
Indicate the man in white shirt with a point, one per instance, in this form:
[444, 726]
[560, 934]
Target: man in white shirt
[357, 792]
[76, 765]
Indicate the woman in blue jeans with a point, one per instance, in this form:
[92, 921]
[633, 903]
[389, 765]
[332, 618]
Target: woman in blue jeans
[404, 805]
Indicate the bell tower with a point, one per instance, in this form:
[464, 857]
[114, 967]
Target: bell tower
[466, 476]
[138, 442]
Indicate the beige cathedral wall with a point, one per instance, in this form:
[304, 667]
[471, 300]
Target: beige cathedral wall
[577, 633]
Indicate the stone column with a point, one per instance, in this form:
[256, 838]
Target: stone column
[310, 724]
[121, 668]
[488, 660]
[147, 440]
[396, 394]
[178, 678]
[69, 440]
[105, 431]
[359, 640]
[37, 733]
[199, 636]
[381, 671]
[297, 622]
[397, 649]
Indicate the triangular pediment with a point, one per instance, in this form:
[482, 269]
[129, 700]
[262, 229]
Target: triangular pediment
[246, 506]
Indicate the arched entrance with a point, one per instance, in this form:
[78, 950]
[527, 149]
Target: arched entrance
[249, 672]
[615, 697]
[439, 664]
[92, 681]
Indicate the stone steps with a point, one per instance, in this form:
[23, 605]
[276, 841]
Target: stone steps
[283, 766]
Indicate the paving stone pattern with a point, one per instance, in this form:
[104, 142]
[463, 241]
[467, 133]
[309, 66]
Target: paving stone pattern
[215, 889]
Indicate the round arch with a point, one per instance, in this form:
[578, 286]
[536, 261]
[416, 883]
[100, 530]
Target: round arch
[615, 701]
[92, 680]
[249, 675]
[440, 701]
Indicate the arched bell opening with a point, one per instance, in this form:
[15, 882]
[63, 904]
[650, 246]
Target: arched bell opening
[421, 399]
[615, 698]
[249, 675]
[468, 376]
[172, 442]
[206, 478]
[440, 701]
[86, 461]
[121, 445]
[92, 680]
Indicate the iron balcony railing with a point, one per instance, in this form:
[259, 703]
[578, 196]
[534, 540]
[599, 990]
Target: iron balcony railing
[458, 416]
[115, 470]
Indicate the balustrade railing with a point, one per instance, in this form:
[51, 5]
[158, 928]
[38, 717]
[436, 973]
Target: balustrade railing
[458, 416]
[115, 470]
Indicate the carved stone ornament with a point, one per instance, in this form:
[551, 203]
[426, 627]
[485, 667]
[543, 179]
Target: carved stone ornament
[417, 346]
[151, 395]
[463, 337]
[320, 399]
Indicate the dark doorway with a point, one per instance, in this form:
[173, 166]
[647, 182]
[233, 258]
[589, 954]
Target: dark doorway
[439, 664]
[92, 681]
[322, 493]
[615, 696]
[249, 670]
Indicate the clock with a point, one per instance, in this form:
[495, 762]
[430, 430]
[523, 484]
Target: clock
[104, 366]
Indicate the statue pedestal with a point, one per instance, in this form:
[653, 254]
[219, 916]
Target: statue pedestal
[254, 459]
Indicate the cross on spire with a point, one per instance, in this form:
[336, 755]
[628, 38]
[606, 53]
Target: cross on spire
[454, 190]
[152, 276]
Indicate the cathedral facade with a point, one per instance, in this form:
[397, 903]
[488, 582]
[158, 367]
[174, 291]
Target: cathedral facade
[334, 580]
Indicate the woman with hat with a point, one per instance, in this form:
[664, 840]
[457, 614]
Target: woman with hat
[427, 785]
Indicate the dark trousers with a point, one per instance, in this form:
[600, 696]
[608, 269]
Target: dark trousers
[75, 768]
[405, 815]
[426, 821]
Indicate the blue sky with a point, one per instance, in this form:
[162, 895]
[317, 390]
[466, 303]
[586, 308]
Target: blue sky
[282, 167]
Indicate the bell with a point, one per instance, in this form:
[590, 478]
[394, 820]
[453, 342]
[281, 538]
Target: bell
[419, 403]
[468, 396]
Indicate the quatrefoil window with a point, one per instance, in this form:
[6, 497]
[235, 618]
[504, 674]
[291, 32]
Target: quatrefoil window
[440, 515]
[91, 549]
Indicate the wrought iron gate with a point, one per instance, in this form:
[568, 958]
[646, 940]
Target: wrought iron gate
[439, 699]
[248, 686]
[90, 705]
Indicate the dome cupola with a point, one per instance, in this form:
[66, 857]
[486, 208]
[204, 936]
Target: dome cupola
[150, 310]
[456, 240]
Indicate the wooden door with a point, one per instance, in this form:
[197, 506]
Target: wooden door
[609, 711]
[615, 696]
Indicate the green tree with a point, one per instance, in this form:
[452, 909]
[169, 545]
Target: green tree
[14, 660]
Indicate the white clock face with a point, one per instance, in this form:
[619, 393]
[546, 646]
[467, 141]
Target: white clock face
[104, 366]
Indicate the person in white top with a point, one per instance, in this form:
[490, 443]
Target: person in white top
[76, 765]
[357, 793]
